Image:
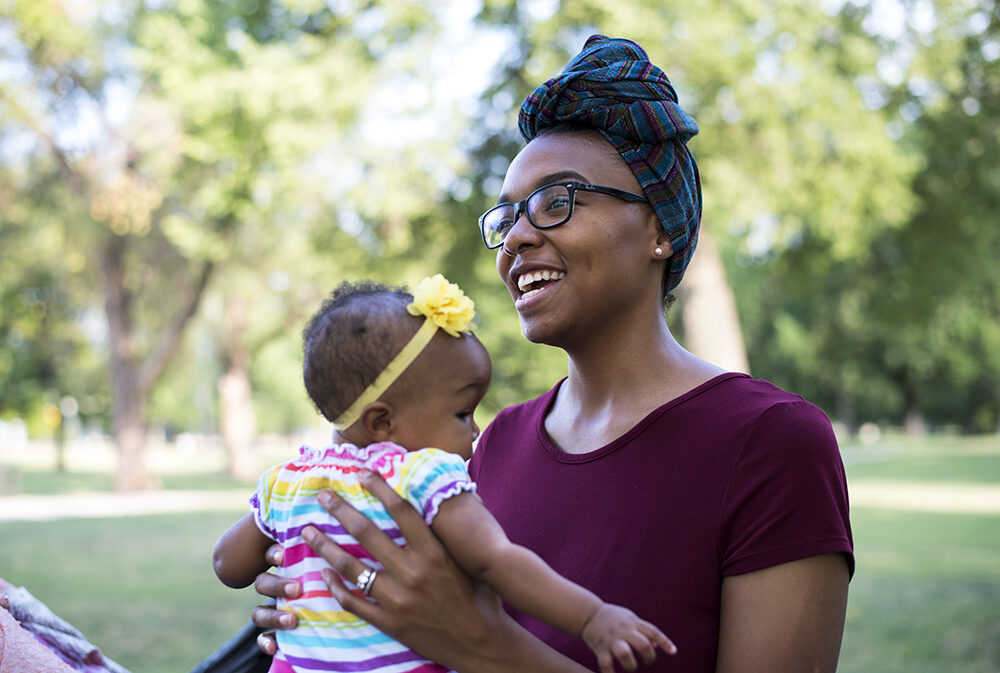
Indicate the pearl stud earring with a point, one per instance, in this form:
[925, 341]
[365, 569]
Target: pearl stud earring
[658, 252]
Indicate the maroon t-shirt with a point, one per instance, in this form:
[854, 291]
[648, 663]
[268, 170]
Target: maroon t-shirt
[733, 476]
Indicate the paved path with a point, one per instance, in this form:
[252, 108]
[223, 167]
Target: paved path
[959, 498]
[880, 494]
[102, 505]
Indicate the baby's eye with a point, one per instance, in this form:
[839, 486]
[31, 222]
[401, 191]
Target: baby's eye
[464, 415]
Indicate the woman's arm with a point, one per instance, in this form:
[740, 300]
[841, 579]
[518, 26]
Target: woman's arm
[423, 599]
[784, 619]
[238, 556]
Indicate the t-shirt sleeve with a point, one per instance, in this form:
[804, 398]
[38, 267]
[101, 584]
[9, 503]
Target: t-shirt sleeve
[262, 503]
[428, 477]
[787, 495]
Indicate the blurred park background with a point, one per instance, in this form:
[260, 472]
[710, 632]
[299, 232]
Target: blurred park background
[183, 181]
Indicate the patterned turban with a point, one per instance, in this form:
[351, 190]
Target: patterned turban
[611, 86]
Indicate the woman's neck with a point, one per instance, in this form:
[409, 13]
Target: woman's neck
[619, 379]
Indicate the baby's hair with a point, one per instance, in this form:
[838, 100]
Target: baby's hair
[350, 340]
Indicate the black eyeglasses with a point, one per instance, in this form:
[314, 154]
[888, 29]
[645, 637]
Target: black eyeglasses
[546, 207]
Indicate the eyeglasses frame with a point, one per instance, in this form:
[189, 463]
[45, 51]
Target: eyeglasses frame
[572, 186]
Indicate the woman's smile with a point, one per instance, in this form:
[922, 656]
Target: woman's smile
[535, 282]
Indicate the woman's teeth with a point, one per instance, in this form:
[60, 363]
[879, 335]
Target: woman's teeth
[525, 281]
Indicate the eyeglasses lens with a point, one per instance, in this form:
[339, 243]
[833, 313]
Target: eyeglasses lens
[550, 206]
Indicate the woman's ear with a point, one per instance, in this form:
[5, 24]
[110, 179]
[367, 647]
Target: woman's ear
[376, 421]
[662, 247]
[660, 240]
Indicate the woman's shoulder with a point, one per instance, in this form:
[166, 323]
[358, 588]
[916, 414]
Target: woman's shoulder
[733, 410]
[763, 417]
[743, 394]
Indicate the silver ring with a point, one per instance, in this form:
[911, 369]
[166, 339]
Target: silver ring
[366, 579]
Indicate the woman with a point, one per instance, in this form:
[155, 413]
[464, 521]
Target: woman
[711, 503]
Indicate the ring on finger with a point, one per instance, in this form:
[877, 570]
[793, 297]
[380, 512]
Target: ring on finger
[365, 580]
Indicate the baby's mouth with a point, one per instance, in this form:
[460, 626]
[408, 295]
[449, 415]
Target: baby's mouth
[533, 282]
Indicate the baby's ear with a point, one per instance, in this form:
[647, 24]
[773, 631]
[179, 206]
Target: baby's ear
[376, 421]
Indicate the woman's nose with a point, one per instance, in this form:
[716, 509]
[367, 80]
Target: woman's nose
[520, 235]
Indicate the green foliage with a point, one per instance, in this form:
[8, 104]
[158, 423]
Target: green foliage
[849, 171]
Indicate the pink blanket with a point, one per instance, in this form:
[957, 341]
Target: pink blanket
[21, 653]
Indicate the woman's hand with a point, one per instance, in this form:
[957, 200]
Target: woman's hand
[421, 598]
[267, 616]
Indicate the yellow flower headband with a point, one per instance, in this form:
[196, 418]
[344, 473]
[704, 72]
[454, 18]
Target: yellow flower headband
[447, 308]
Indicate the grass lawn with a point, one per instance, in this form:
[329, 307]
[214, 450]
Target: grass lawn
[926, 594]
[141, 588]
[925, 598]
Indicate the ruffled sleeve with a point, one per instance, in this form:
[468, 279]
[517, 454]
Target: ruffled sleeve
[428, 477]
[261, 502]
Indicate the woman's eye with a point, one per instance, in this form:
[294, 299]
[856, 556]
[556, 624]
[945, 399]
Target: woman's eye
[557, 203]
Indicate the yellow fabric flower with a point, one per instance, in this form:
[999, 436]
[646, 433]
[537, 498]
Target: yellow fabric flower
[445, 304]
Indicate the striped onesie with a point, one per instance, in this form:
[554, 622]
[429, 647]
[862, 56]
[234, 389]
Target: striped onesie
[328, 638]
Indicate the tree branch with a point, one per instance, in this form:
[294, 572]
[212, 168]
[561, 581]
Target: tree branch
[170, 339]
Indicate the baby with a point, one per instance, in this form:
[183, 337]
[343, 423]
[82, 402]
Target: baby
[400, 377]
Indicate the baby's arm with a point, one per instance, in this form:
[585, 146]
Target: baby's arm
[239, 554]
[479, 545]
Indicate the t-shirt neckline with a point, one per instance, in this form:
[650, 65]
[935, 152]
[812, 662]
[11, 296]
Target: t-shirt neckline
[561, 456]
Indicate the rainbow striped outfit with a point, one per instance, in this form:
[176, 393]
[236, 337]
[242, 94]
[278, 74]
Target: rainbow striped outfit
[328, 637]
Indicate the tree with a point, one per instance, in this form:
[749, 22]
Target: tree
[792, 158]
[942, 264]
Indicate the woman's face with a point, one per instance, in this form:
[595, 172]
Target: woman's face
[573, 280]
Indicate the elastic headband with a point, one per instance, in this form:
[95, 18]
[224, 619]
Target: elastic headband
[447, 308]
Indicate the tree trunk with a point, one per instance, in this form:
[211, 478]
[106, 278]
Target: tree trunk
[708, 310]
[913, 420]
[846, 412]
[60, 442]
[133, 376]
[128, 399]
[237, 419]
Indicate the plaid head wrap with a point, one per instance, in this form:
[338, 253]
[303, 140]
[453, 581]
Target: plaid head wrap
[611, 86]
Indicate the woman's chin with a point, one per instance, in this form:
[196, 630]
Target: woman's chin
[537, 332]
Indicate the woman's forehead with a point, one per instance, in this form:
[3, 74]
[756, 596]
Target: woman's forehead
[585, 153]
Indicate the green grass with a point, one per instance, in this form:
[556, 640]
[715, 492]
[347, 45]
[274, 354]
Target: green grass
[962, 459]
[141, 588]
[926, 594]
[925, 597]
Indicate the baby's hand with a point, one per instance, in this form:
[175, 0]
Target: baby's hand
[614, 632]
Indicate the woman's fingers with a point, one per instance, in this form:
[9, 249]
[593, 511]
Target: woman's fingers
[361, 528]
[410, 521]
[269, 617]
[344, 563]
[274, 555]
[348, 566]
[351, 601]
[272, 586]
[267, 643]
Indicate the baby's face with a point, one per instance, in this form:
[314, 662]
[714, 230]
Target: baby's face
[452, 377]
